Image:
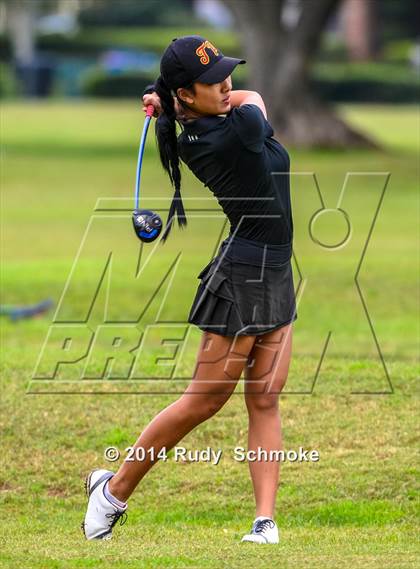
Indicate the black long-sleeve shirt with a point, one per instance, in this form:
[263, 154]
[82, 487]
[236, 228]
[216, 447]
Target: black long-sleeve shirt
[237, 158]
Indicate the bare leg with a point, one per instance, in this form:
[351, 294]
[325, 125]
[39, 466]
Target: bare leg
[220, 362]
[264, 379]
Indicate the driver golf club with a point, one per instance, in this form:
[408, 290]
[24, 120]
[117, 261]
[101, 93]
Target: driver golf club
[147, 224]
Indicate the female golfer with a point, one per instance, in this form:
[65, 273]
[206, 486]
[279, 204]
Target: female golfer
[245, 302]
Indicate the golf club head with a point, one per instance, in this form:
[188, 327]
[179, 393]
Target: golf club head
[147, 225]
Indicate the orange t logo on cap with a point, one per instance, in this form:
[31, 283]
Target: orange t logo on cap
[202, 54]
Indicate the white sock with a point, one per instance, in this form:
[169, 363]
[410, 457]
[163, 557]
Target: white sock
[112, 498]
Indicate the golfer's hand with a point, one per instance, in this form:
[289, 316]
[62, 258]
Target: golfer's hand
[152, 99]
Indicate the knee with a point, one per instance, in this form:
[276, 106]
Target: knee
[262, 403]
[203, 407]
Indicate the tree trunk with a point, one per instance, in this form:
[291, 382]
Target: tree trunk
[279, 56]
[21, 17]
[359, 29]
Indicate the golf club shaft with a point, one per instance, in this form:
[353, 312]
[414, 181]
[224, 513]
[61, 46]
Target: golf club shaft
[149, 113]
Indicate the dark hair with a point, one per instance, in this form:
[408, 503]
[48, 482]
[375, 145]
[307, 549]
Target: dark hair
[166, 136]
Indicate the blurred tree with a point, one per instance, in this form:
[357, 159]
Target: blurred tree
[20, 19]
[359, 22]
[280, 39]
[135, 13]
[35, 73]
[398, 20]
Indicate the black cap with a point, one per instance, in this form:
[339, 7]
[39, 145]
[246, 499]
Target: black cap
[193, 58]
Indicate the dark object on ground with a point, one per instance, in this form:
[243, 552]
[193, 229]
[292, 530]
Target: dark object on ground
[20, 312]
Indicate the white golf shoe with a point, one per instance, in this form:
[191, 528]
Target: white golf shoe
[264, 530]
[101, 515]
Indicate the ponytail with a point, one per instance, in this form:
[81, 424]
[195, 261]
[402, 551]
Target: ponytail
[167, 143]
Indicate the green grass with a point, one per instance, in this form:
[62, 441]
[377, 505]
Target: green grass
[357, 506]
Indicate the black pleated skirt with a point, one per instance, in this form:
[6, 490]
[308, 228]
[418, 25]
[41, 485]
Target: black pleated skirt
[247, 289]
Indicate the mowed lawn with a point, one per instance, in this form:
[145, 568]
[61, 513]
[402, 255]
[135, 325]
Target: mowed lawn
[351, 393]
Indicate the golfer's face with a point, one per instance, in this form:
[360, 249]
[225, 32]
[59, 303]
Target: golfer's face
[212, 99]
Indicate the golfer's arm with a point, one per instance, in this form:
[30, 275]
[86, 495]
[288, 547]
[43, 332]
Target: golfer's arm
[238, 98]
